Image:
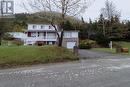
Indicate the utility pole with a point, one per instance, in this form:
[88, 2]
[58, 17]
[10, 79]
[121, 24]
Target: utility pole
[103, 25]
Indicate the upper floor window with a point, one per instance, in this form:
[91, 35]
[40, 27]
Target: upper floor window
[42, 27]
[34, 26]
[50, 27]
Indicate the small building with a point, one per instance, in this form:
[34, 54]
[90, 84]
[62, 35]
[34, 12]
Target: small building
[70, 39]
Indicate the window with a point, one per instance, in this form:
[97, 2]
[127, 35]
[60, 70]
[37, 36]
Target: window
[29, 34]
[33, 34]
[50, 43]
[42, 27]
[34, 26]
[51, 36]
[67, 34]
[50, 27]
[39, 34]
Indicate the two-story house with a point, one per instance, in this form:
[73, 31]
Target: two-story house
[45, 34]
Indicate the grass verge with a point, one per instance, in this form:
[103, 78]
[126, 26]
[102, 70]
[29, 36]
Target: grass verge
[11, 56]
[108, 50]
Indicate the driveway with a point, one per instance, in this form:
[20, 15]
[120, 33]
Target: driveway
[85, 73]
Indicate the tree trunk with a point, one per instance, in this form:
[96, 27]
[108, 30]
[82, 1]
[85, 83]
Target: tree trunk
[61, 39]
[0, 39]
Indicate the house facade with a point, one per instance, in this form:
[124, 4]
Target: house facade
[70, 39]
[45, 34]
[18, 35]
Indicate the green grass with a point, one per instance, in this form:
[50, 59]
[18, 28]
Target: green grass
[25, 55]
[123, 44]
[108, 50]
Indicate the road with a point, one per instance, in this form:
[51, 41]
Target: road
[99, 72]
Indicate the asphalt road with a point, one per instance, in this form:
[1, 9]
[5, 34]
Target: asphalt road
[84, 73]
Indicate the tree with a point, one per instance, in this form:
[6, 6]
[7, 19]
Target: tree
[64, 7]
[5, 26]
[68, 25]
[101, 24]
[110, 12]
[127, 32]
[1, 30]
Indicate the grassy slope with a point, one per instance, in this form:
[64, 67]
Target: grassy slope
[23, 55]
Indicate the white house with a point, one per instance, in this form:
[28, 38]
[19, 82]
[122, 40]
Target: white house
[18, 35]
[40, 33]
[45, 34]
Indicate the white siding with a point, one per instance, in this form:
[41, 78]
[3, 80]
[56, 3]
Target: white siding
[67, 34]
[51, 35]
[74, 34]
[18, 35]
[71, 34]
[40, 27]
[30, 27]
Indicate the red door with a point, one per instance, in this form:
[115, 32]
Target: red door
[29, 34]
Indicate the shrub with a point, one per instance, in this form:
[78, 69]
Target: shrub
[117, 45]
[101, 39]
[18, 42]
[86, 44]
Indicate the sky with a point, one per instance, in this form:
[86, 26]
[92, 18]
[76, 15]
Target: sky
[93, 11]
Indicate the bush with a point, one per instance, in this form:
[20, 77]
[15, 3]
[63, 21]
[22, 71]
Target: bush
[101, 39]
[86, 44]
[18, 42]
[117, 45]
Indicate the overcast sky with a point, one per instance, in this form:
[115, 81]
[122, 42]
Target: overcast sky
[93, 11]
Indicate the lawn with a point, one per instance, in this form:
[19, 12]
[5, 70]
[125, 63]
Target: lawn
[28, 55]
[108, 50]
[123, 44]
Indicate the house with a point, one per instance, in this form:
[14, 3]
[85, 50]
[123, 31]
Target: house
[45, 34]
[18, 35]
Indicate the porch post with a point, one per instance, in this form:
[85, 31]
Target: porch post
[46, 37]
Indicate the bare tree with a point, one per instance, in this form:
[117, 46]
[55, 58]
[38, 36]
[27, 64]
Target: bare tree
[64, 7]
[110, 10]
